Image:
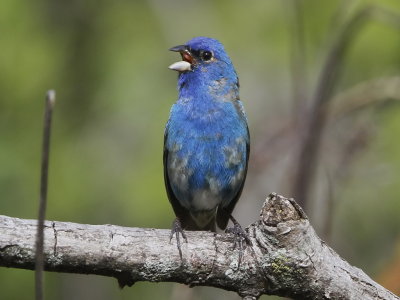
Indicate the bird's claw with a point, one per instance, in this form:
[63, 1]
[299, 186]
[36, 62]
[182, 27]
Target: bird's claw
[176, 230]
[241, 238]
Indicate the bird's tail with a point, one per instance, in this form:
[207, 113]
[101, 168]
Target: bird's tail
[191, 224]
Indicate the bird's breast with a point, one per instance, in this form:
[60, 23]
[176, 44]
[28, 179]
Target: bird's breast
[206, 160]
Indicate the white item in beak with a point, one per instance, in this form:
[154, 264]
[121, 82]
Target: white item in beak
[181, 66]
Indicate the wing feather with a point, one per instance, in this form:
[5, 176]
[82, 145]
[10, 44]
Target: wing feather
[223, 213]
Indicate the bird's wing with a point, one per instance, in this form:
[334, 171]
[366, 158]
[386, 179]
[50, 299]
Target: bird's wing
[179, 210]
[181, 213]
[224, 213]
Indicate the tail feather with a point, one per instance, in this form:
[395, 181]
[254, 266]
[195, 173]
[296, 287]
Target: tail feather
[190, 224]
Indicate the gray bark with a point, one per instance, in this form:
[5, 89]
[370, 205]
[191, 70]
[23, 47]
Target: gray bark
[286, 257]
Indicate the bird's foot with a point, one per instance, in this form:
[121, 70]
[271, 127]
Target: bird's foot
[176, 230]
[241, 239]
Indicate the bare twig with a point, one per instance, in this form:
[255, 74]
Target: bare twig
[39, 257]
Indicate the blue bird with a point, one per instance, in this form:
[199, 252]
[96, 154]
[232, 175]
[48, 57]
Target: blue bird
[206, 140]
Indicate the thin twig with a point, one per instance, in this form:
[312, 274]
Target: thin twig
[39, 258]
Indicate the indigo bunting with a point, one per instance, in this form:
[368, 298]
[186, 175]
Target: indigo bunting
[206, 140]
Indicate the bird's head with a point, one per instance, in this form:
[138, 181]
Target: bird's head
[203, 58]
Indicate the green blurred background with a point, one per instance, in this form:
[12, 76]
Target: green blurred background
[107, 61]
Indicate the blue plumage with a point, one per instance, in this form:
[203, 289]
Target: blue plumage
[206, 146]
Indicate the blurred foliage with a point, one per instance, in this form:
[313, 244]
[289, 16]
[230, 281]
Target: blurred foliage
[390, 275]
[108, 63]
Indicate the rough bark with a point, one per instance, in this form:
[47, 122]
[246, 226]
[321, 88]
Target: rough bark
[286, 257]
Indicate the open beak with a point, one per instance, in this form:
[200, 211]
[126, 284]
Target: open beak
[187, 59]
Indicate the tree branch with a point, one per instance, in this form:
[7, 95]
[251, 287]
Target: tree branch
[286, 258]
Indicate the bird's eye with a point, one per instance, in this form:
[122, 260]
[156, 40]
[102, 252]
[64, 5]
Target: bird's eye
[206, 55]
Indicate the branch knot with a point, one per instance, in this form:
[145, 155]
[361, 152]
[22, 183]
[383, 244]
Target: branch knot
[278, 209]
